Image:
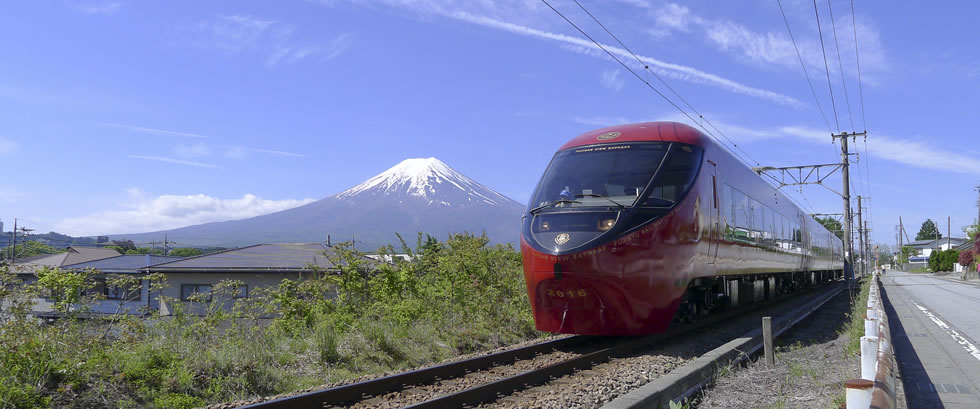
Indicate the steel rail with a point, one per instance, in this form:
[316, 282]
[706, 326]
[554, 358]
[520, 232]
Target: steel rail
[347, 394]
[492, 391]
[379, 386]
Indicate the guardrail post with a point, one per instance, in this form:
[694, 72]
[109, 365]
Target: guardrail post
[871, 327]
[869, 357]
[858, 393]
[767, 341]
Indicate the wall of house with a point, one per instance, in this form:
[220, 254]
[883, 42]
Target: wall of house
[252, 280]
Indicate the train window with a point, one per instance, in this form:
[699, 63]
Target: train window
[758, 220]
[594, 176]
[676, 176]
[742, 212]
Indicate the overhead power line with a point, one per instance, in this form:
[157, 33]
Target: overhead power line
[647, 83]
[840, 63]
[823, 49]
[857, 56]
[805, 73]
[647, 67]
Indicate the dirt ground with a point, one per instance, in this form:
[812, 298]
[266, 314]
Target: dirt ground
[811, 367]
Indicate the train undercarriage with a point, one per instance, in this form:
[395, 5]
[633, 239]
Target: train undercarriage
[709, 294]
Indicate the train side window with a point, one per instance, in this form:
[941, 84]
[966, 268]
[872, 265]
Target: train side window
[742, 213]
[758, 220]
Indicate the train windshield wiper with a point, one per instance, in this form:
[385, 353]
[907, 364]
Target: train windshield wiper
[559, 201]
[620, 205]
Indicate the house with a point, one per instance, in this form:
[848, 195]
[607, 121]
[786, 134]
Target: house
[134, 300]
[260, 265]
[924, 248]
[25, 268]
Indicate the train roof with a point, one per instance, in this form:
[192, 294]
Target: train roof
[640, 132]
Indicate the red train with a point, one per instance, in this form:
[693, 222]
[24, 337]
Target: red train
[635, 226]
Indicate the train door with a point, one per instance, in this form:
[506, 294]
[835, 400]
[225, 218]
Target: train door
[715, 213]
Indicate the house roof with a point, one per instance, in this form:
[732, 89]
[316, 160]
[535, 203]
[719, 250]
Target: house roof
[968, 245]
[129, 263]
[260, 257]
[932, 243]
[73, 255]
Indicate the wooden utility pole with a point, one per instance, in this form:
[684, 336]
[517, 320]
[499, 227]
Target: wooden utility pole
[949, 221]
[863, 253]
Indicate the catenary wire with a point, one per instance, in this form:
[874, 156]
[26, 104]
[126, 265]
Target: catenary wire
[802, 64]
[627, 67]
[840, 63]
[826, 66]
[857, 56]
[662, 81]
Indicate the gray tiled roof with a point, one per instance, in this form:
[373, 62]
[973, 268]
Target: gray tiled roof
[73, 255]
[130, 263]
[271, 257]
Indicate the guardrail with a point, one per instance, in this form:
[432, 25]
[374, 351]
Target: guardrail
[876, 387]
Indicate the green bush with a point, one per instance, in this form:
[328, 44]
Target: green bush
[452, 297]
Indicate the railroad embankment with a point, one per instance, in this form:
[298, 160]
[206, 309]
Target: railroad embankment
[454, 297]
[812, 363]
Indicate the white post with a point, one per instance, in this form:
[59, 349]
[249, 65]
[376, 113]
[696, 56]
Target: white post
[858, 393]
[872, 313]
[871, 327]
[869, 357]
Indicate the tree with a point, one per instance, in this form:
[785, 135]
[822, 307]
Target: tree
[185, 252]
[831, 224]
[905, 253]
[928, 231]
[29, 249]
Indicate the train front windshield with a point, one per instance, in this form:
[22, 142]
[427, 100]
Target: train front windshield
[582, 194]
[616, 175]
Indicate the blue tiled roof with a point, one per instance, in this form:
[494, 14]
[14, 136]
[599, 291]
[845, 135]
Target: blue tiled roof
[277, 256]
[130, 263]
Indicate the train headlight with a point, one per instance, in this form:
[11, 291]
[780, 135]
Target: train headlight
[545, 226]
[606, 224]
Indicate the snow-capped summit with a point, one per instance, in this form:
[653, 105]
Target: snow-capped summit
[416, 195]
[425, 178]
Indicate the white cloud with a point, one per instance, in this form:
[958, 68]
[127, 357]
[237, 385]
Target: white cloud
[103, 8]
[176, 161]
[195, 150]
[143, 214]
[338, 45]
[775, 48]
[240, 33]
[7, 146]
[241, 152]
[156, 131]
[663, 68]
[610, 79]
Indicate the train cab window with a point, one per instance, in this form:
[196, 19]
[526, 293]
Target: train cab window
[602, 175]
[676, 176]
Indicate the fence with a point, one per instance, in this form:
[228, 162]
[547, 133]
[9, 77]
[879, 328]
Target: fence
[876, 387]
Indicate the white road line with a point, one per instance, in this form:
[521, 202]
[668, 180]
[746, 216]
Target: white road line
[970, 348]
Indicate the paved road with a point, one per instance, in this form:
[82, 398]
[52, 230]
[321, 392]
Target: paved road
[935, 325]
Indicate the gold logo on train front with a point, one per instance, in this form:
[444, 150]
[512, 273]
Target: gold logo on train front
[608, 135]
[562, 238]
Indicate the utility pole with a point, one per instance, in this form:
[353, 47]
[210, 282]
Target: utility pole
[863, 253]
[868, 249]
[13, 249]
[949, 221]
[846, 196]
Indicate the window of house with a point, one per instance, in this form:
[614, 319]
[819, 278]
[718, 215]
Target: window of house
[188, 290]
[113, 292]
[242, 291]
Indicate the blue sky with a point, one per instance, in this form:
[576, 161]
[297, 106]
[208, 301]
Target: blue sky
[121, 116]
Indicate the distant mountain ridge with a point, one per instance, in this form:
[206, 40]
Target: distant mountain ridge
[416, 195]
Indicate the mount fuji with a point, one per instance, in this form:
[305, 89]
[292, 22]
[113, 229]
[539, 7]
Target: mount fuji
[416, 195]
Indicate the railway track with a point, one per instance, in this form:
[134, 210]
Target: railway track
[488, 378]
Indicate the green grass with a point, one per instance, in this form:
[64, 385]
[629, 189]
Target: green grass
[460, 296]
[854, 328]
